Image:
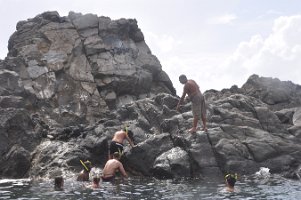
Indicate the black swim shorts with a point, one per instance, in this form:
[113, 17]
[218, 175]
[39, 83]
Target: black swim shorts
[116, 147]
[108, 179]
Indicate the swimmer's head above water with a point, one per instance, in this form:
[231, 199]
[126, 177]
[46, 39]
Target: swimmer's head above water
[231, 179]
[58, 183]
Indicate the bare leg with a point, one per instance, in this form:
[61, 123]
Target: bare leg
[195, 123]
[204, 123]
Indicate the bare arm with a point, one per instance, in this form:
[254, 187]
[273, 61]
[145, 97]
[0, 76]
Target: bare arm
[121, 169]
[129, 140]
[182, 98]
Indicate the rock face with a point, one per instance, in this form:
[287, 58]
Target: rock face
[68, 83]
[68, 71]
[83, 65]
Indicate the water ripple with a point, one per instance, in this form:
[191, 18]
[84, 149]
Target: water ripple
[251, 187]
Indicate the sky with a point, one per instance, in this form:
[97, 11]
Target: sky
[218, 43]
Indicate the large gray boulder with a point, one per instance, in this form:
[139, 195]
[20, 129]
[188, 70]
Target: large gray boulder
[273, 92]
[174, 162]
[84, 65]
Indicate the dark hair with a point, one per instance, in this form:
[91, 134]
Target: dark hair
[130, 134]
[183, 77]
[58, 183]
[116, 155]
[96, 180]
[231, 179]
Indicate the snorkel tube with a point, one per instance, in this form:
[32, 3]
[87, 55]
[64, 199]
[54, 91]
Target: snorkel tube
[234, 176]
[88, 169]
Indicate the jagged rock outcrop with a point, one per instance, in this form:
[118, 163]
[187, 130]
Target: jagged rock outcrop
[65, 71]
[68, 83]
[83, 65]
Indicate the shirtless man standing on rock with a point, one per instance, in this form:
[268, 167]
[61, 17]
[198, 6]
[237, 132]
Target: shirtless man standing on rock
[191, 88]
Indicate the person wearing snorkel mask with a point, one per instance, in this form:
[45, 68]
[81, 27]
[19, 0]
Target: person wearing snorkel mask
[84, 174]
[117, 141]
[230, 182]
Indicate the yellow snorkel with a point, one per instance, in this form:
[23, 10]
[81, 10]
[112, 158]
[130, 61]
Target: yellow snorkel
[129, 135]
[126, 129]
[232, 176]
[84, 165]
[120, 153]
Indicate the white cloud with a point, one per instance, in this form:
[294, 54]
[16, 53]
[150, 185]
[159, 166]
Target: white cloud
[224, 19]
[274, 12]
[163, 43]
[269, 14]
[277, 55]
[197, 66]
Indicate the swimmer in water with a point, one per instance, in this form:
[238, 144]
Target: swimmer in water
[230, 182]
[84, 174]
[95, 183]
[112, 166]
[58, 183]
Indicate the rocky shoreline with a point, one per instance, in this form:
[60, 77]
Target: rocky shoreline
[68, 83]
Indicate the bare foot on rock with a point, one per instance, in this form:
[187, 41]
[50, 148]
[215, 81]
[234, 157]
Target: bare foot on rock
[193, 130]
[205, 129]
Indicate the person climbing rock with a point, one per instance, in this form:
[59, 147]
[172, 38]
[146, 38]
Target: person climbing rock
[117, 141]
[191, 88]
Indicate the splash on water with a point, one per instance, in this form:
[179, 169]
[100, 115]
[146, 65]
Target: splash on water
[263, 172]
[95, 172]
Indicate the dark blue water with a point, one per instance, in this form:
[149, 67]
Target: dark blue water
[252, 187]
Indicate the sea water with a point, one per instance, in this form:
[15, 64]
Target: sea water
[247, 187]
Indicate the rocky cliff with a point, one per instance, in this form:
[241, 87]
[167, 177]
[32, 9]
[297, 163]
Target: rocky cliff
[68, 83]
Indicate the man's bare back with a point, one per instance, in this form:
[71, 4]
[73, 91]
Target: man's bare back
[112, 166]
[117, 141]
[191, 88]
[119, 136]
